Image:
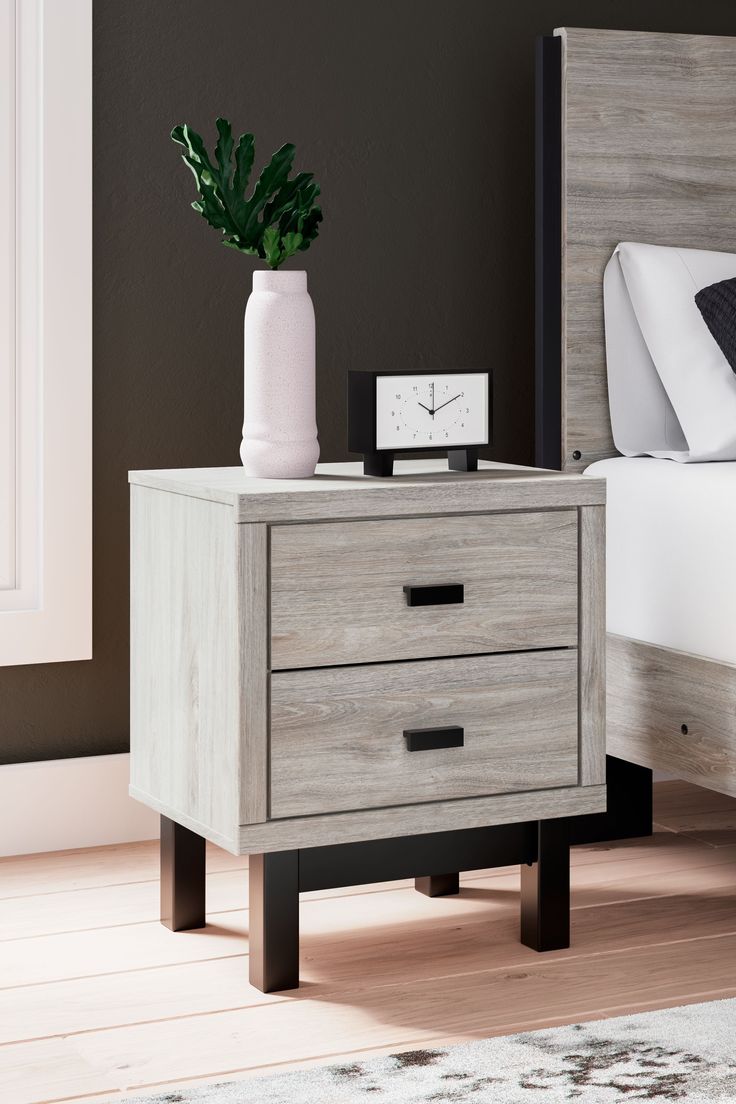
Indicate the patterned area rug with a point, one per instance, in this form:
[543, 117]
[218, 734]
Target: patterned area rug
[683, 1054]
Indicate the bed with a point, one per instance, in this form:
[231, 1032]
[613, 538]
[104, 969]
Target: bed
[636, 141]
[672, 617]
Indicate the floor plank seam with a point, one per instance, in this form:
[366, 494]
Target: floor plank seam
[124, 973]
[422, 1040]
[107, 886]
[610, 1011]
[104, 927]
[71, 1035]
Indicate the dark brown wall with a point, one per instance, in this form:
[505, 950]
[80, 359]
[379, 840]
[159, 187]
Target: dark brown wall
[417, 119]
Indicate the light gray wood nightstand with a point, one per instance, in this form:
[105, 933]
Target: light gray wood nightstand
[317, 665]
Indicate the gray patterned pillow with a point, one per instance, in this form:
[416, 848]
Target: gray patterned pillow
[717, 304]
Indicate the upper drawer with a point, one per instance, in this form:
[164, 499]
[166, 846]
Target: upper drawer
[337, 589]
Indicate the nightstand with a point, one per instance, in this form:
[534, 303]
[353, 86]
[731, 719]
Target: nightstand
[353, 679]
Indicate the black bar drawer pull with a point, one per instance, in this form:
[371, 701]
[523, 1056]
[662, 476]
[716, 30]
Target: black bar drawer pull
[435, 595]
[431, 739]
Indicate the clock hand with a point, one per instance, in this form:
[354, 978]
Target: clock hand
[447, 403]
[426, 408]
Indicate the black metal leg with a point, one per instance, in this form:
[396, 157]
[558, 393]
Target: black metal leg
[438, 885]
[465, 459]
[182, 877]
[629, 812]
[545, 890]
[274, 921]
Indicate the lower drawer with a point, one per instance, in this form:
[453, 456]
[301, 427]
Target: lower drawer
[338, 734]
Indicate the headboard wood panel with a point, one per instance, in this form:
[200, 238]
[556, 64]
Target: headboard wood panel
[649, 155]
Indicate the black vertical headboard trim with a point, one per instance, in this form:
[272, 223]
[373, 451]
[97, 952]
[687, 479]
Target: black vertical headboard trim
[548, 252]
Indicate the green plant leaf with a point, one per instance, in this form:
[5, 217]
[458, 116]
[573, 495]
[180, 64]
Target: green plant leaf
[285, 197]
[211, 213]
[270, 180]
[309, 230]
[277, 220]
[195, 148]
[223, 150]
[244, 154]
[272, 247]
[240, 247]
[292, 242]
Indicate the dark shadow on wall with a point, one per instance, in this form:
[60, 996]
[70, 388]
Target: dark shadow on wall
[416, 117]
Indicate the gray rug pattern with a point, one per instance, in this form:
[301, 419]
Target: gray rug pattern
[682, 1054]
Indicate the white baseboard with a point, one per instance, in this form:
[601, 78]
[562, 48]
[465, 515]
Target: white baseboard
[65, 803]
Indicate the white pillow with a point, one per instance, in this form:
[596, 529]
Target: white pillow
[661, 282]
[642, 419]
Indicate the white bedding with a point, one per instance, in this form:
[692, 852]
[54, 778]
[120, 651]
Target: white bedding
[671, 553]
[672, 393]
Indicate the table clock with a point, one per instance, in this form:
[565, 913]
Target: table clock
[392, 411]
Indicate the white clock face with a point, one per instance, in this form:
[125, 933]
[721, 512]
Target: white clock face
[432, 411]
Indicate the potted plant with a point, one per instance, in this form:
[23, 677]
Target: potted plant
[275, 222]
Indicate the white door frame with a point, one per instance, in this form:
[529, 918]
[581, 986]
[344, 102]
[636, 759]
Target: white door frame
[46, 313]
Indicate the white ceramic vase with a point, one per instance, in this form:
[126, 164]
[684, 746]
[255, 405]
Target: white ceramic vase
[279, 427]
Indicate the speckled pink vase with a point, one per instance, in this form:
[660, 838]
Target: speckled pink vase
[280, 427]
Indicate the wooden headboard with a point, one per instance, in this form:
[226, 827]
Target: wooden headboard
[636, 141]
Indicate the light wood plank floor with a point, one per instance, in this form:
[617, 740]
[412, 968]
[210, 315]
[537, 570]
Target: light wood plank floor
[97, 998]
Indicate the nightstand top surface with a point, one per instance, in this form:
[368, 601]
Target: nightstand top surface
[341, 490]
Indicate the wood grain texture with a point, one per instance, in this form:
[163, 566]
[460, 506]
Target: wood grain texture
[337, 734]
[592, 646]
[186, 637]
[411, 948]
[649, 155]
[252, 617]
[337, 589]
[219, 839]
[406, 820]
[419, 487]
[652, 692]
[477, 1004]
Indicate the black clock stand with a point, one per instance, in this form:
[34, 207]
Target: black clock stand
[462, 459]
[382, 463]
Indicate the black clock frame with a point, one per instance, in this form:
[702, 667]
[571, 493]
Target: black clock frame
[362, 421]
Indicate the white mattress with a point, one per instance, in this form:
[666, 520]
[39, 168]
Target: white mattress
[671, 553]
